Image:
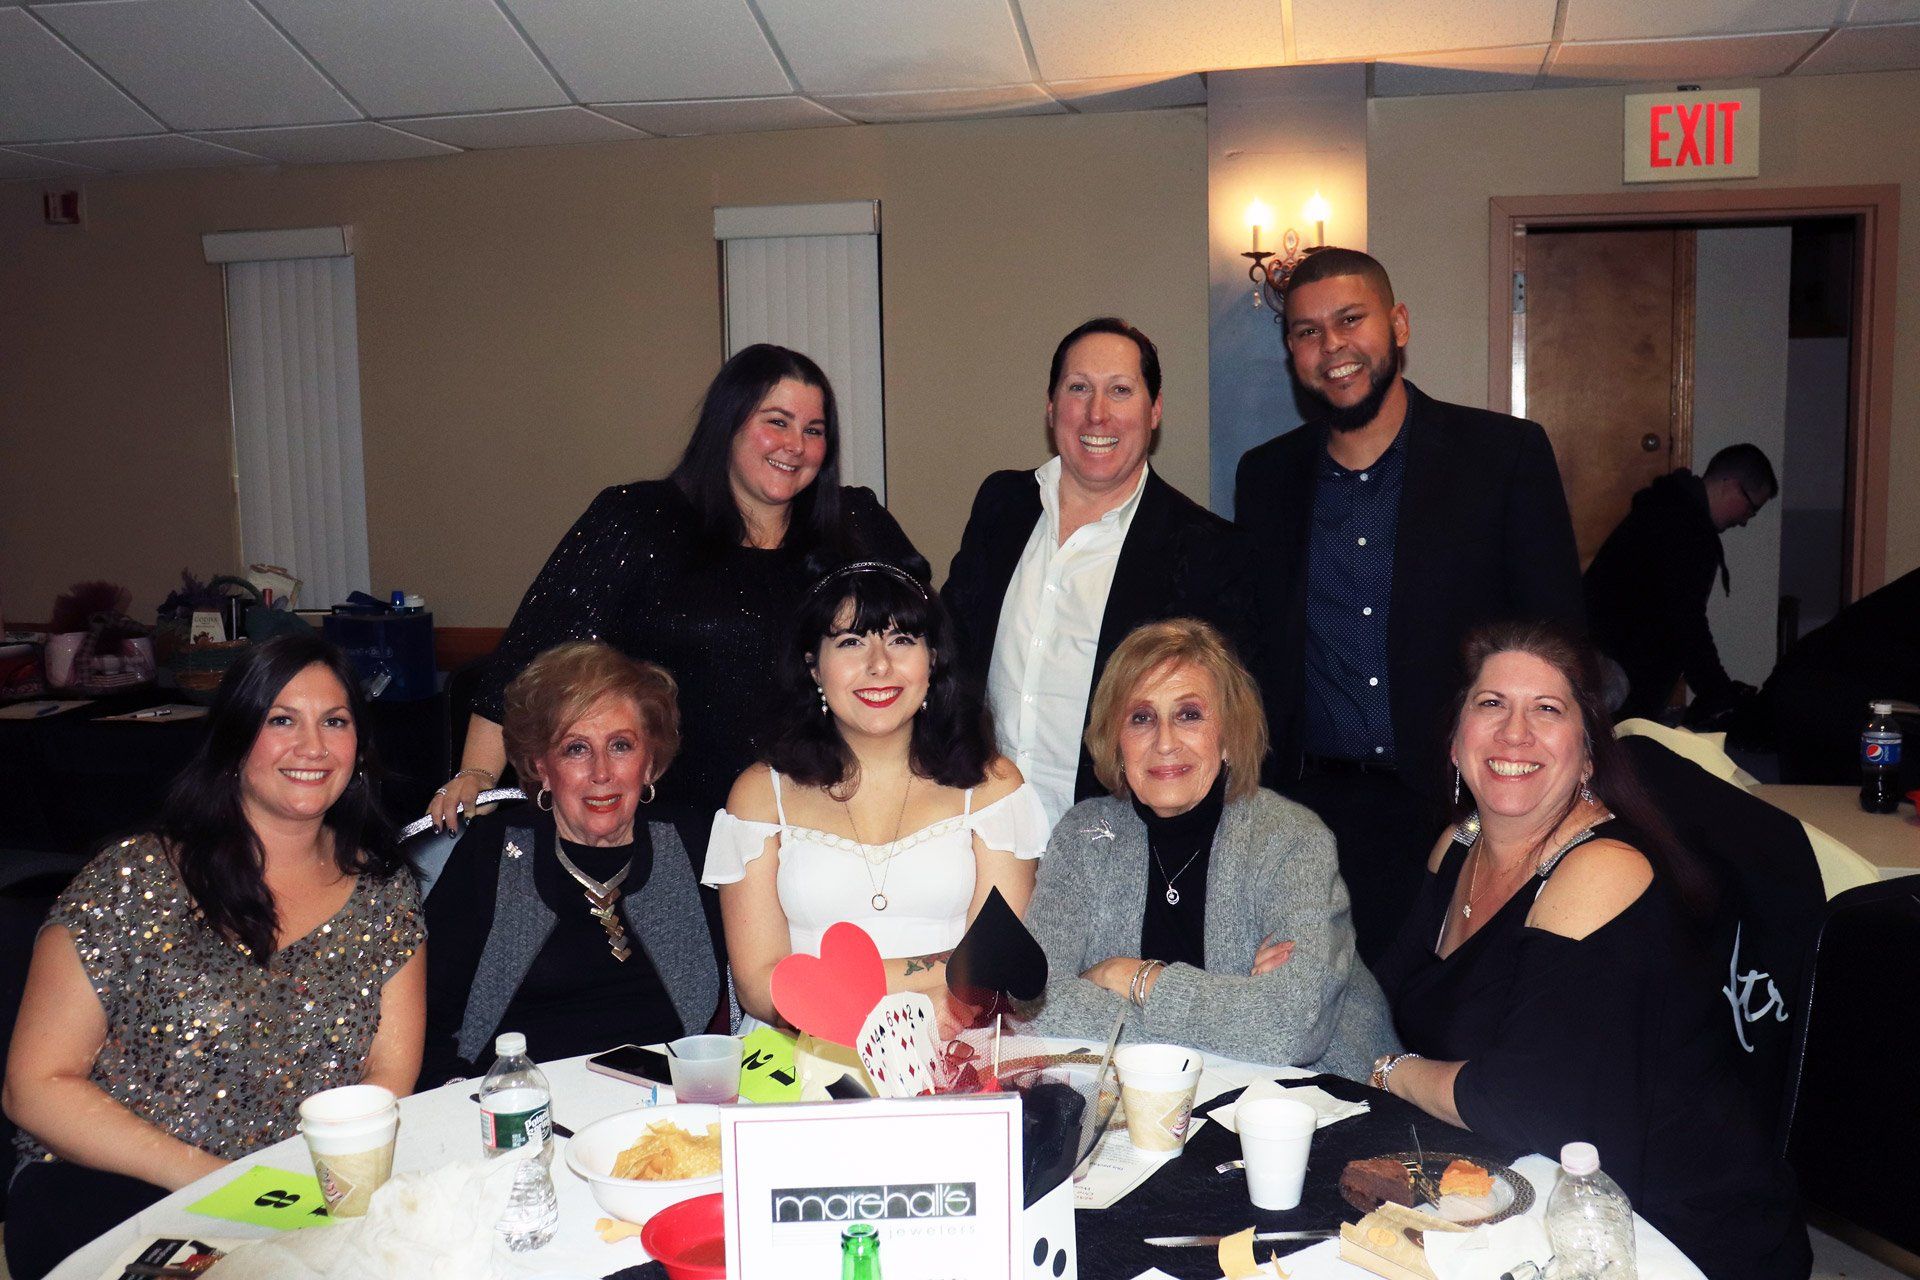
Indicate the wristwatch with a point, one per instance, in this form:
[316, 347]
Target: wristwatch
[1383, 1066]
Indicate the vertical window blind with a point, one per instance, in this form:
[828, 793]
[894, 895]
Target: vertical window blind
[294, 371]
[808, 277]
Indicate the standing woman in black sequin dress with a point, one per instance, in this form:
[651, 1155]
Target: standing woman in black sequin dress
[699, 572]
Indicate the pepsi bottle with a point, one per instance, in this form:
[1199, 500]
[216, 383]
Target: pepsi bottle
[1880, 761]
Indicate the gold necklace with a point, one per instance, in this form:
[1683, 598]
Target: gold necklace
[879, 899]
[602, 899]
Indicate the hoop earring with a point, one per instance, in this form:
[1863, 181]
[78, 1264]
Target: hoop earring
[543, 800]
[647, 794]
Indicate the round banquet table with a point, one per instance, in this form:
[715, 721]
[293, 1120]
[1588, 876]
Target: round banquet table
[439, 1126]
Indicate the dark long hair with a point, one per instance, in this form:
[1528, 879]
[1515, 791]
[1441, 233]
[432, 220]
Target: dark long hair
[703, 476]
[220, 857]
[1615, 781]
[951, 742]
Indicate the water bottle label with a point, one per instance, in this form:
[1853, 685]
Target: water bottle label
[506, 1130]
[1879, 749]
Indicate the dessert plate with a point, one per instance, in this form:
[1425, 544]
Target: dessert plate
[1512, 1194]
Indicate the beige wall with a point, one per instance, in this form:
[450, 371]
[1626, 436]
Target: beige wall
[1435, 162]
[537, 324]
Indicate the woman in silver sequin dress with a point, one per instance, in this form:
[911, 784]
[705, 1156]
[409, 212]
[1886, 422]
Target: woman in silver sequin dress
[192, 986]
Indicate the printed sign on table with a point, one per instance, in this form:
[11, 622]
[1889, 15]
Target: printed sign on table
[264, 1197]
[938, 1177]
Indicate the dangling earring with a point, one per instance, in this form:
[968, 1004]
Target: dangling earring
[1586, 793]
[924, 702]
[647, 794]
[824, 709]
[1456, 786]
[543, 800]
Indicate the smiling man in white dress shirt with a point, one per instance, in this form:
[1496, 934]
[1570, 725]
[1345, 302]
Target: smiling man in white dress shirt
[1057, 565]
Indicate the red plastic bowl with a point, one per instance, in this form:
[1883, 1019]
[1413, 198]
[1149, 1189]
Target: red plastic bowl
[679, 1229]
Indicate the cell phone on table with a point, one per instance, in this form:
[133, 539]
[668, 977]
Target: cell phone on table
[632, 1063]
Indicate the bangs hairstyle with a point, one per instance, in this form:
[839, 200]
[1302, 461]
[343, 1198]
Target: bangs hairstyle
[563, 684]
[1615, 781]
[204, 821]
[704, 474]
[951, 743]
[1179, 642]
[1325, 264]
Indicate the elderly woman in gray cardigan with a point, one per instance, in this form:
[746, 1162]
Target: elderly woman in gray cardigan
[1213, 906]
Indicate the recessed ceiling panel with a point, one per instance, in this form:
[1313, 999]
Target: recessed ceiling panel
[722, 115]
[420, 57]
[888, 46]
[1130, 93]
[1099, 39]
[1871, 11]
[1726, 58]
[48, 92]
[946, 104]
[1644, 19]
[329, 143]
[623, 51]
[201, 64]
[541, 127]
[127, 155]
[1472, 71]
[17, 164]
[1324, 30]
[1893, 48]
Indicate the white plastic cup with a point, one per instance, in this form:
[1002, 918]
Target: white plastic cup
[705, 1068]
[1157, 1083]
[350, 1134]
[1275, 1134]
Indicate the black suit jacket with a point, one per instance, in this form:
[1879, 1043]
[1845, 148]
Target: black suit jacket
[1179, 560]
[1484, 533]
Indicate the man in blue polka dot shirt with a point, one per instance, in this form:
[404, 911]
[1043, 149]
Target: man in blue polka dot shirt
[1384, 530]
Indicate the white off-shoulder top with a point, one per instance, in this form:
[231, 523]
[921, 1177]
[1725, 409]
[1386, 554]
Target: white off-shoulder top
[926, 878]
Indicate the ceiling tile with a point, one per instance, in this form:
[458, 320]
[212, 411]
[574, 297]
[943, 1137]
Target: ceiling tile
[721, 115]
[1724, 58]
[1130, 93]
[16, 164]
[162, 151]
[1894, 48]
[1645, 19]
[201, 64]
[620, 51]
[946, 104]
[860, 47]
[1865, 12]
[1324, 30]
[47, 91]
[1473, 71]
[541, 127]
[420, 57]
[1098, 39]
[329, 143]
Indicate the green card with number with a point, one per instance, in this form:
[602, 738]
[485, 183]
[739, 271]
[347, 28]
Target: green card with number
[767, 1073]
[264, 1197]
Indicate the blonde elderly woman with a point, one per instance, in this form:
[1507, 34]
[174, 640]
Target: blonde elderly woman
[567, 918]
[1214, 906]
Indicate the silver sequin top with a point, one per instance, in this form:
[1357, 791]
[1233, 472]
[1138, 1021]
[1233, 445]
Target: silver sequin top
[203, 1042]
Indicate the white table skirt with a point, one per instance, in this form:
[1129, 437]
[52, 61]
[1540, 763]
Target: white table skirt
[442, 1125]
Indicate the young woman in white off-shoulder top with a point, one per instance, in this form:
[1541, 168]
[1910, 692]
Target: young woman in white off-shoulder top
[880, 800]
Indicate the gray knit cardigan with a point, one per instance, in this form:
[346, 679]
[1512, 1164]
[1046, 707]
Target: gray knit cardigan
[1272, 873]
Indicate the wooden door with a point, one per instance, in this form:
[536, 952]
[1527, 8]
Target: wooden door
[1609, 363]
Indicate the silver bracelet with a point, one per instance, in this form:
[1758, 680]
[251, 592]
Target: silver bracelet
[1137, 989]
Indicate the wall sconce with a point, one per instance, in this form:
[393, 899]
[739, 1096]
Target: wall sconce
[1270, 271]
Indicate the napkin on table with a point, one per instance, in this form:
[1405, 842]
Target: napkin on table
[1331, 1110]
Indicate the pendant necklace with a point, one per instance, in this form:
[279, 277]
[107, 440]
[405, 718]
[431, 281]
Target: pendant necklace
[1173, 894]
[879, 899]
[602, 899]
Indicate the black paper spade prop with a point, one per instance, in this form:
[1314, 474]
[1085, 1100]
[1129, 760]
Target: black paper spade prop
[997, 956]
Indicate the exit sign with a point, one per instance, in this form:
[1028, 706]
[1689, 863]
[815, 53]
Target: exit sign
[1688, 137]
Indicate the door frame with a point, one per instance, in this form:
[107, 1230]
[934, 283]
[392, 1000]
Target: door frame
[1876, 214]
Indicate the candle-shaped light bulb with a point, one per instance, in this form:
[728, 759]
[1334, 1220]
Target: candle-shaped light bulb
[1316, 212]
[1258, 216]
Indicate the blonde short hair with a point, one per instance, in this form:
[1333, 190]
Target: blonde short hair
[563, 684]
[1179, 642]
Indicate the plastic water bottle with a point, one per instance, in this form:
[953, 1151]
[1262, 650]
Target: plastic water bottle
[1880, 761]
[516, 1111]
[1589, 1221]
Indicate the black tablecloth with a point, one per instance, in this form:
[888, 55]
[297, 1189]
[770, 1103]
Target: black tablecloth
[1188, 1198]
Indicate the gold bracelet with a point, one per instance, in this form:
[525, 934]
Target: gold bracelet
[489, 778]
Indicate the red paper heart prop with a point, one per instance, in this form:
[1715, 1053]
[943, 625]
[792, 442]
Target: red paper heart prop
[830, 995]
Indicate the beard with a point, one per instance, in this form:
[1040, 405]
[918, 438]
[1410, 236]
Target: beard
[1365, 409]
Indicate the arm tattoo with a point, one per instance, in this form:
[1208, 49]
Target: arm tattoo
[926, 963]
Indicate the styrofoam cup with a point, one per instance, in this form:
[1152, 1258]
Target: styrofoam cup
[1157, 1083]
[1275, 1135]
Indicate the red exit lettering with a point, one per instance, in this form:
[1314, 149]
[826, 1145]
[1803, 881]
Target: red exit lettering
[1705, 128]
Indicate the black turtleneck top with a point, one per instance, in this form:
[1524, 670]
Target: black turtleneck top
[1179, 849]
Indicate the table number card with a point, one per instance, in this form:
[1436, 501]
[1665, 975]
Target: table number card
[939, 1177]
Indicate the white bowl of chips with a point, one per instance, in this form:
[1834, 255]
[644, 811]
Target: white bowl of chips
[641, 1161]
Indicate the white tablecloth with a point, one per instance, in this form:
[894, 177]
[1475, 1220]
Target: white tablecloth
[442, 1125]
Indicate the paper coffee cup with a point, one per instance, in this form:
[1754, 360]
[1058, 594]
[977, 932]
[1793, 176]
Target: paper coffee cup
[1157, 1083]
[350, 1134]
[1275, 1136]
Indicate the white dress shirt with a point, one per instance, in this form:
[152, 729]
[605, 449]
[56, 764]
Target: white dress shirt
[1041, 674]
